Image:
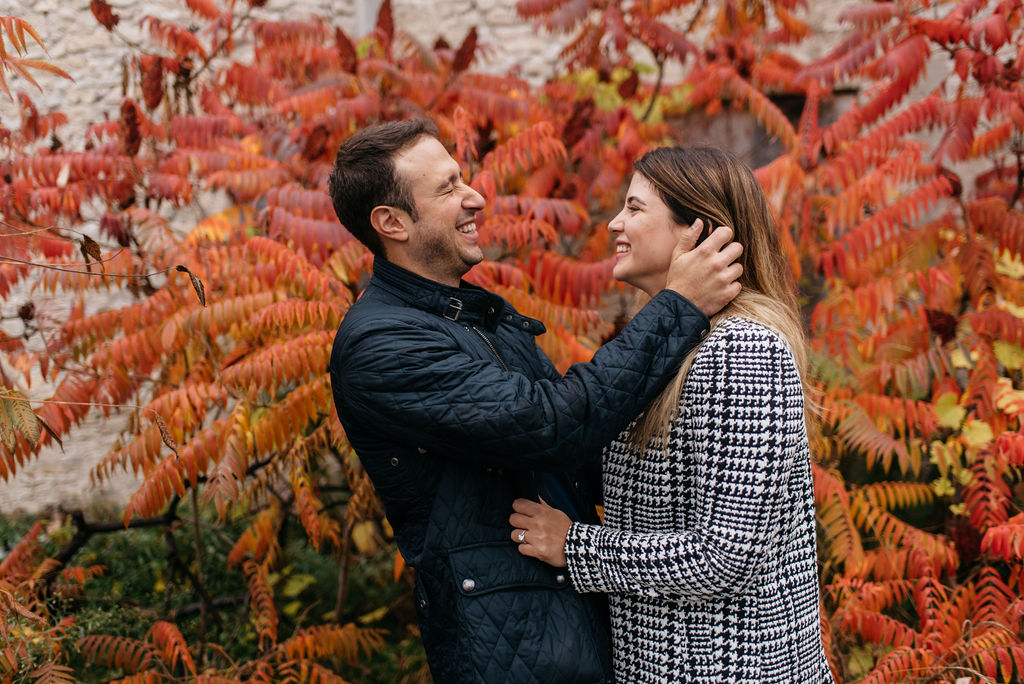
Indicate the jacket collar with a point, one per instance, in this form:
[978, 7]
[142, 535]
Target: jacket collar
[468, 303]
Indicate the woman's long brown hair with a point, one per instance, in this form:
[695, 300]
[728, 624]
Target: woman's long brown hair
[710, 183]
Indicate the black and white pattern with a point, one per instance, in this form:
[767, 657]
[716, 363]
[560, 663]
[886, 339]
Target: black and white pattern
[708, 551]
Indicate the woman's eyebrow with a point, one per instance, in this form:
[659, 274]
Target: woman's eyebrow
[635, 200]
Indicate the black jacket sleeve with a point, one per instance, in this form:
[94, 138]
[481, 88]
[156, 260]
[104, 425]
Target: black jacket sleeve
[415, 386]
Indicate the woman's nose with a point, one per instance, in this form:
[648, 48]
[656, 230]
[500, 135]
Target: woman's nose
[615, 225]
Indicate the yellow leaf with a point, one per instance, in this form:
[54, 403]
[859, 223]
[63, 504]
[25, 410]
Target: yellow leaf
[861, 661]
[1010, 355]
[292, 608]
[373, 615]
[1017, 311]
[943, 487]
[976, 433]
[964, 476]
[957, 509]
[959, 359]
[943, 456]
[1009, 264]
[296, 584]
[1009, 400]
[7, 425]
[364, 536]
[948, 409]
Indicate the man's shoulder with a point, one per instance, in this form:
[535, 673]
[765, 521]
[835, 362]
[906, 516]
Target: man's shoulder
[373, 311]
[376, 314]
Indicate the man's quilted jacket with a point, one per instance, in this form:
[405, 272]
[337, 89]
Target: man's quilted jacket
[454, 412]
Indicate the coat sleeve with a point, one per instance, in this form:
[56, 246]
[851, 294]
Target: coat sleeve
[424, 391]
[751, 422]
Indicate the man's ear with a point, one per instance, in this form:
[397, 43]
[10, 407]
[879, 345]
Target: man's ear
[390, 223]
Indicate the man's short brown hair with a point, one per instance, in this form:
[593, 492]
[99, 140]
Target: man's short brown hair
[364, 176]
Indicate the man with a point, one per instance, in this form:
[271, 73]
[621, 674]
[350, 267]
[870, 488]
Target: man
[454, 410]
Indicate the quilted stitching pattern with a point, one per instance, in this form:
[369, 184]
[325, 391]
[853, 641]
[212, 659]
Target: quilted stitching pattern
[450, 438]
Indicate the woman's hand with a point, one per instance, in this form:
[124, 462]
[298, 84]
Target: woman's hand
[540, 531]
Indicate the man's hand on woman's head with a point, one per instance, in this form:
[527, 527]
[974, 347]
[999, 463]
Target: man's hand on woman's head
[707, 274]
[540, 531]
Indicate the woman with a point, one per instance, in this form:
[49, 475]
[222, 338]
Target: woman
[707, 550]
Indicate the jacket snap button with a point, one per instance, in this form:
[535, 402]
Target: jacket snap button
[526, 324]
[423, 603]
[560, 578]
[468, 585]
[421, 450]
[508, 317]
[490, 310]
[394, 460]
[704, 332]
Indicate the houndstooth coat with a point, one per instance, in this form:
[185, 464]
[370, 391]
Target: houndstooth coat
[708, 551]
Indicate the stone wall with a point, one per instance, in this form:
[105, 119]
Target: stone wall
[92, 55]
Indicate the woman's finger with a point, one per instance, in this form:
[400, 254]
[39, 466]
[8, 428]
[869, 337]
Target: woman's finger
[519, 520]
[530, 551]
[525, 506]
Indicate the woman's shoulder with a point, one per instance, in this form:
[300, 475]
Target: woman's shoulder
[740, 345]
[741, 331]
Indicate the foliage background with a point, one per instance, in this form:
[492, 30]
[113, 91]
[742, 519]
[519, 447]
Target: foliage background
[255, 549]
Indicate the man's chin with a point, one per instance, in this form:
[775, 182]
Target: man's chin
[471, 259]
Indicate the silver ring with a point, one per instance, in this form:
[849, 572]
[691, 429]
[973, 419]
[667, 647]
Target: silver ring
[521, 536]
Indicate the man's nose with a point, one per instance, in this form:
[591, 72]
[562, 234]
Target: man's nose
[473, 199]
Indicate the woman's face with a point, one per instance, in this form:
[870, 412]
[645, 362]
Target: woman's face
[644, 235]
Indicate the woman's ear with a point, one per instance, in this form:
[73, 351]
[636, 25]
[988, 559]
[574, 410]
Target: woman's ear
[390, 223]
[689, 236]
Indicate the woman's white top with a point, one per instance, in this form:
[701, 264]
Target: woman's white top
[707, 551]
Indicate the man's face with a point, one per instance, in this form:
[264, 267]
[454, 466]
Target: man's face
[442, 244]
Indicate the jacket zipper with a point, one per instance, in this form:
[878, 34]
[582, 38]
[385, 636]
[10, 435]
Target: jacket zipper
[496, 354]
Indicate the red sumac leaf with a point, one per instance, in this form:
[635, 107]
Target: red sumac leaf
[90, 250]
[385, 21]
[466, 53]
[50, 431]
[346, 51]
[151, 70]
[104, 14]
